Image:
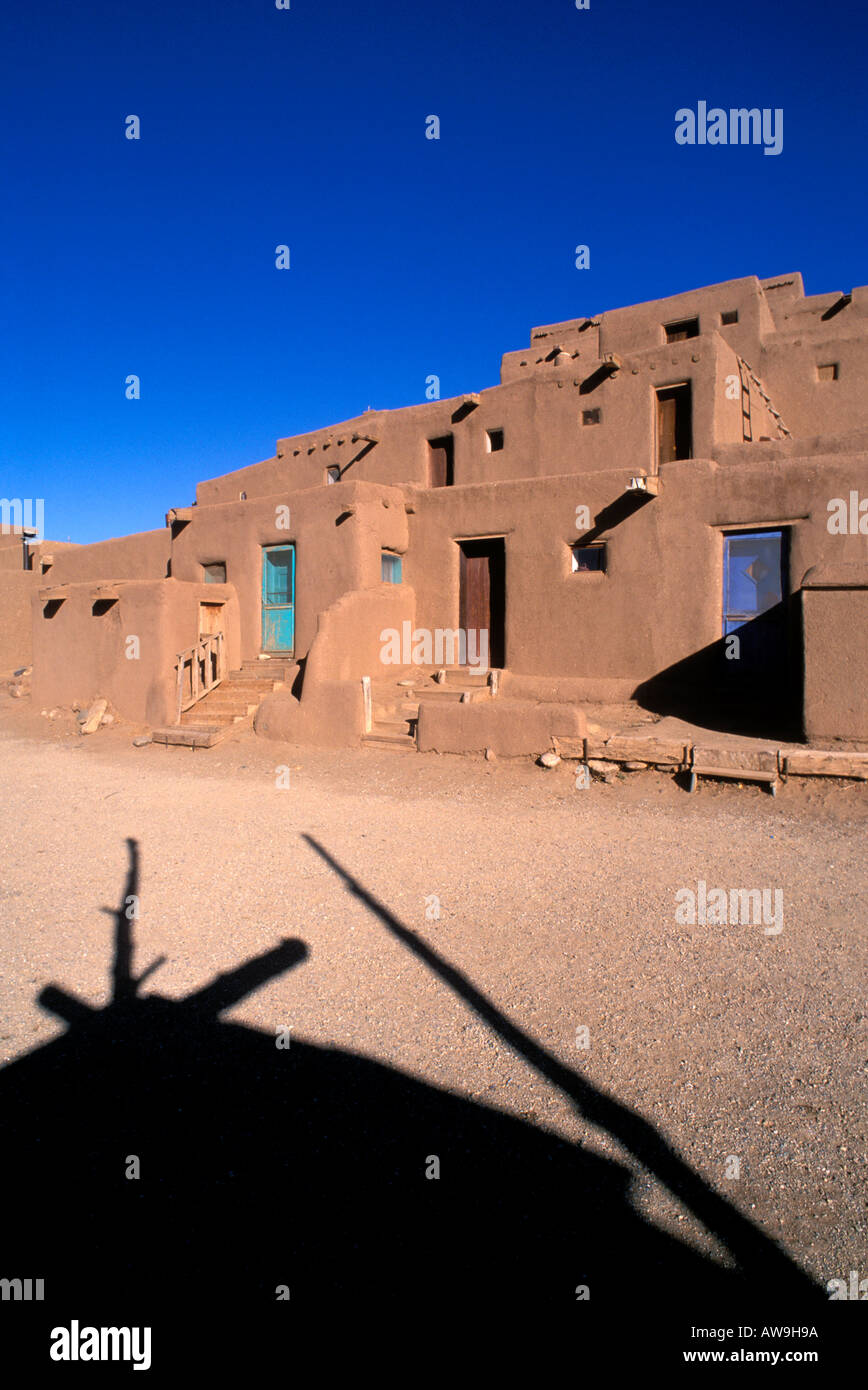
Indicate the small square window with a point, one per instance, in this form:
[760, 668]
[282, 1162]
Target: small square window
[729, 316]
[828, 372]
[685, 328]
[242, 497]
[216, 573]
[591, 417]
[493, 441]
[588, 558]
[333, 475]
[390, 567]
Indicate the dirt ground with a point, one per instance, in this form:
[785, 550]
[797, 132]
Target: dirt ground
[558, 903]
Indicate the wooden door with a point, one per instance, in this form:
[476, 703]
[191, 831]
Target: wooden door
[278, 598]
[482, 593]
[674, 423]
[210, 619]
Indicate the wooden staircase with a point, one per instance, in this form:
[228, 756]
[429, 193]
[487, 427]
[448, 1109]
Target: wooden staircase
[396, 702]
[230, 705]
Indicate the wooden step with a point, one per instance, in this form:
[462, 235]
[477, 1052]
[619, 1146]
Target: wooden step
[191, 735]
[466, 676]
[383, 724]
[244, 682]
[217, 714]
[400, 742]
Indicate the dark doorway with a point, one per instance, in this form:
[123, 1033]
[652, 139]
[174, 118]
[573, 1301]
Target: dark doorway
[674, 423]
[440, 461]
[685, 328]
[482, 603]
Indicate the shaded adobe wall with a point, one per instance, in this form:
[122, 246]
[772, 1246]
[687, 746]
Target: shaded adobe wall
[834, 624]
[80, 654]
[338, 533]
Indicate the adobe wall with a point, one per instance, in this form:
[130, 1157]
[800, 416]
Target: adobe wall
[834, 624]
[338, 532]
[331, 717]
[144, 555]
[11, 551]
[17, 587]
[660, 599]
[16, 591]
[542, 419]
[81, 655]
[347, 644]
[510, 728]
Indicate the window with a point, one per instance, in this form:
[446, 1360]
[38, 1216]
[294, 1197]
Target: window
[588, 558]
[242, 497]
[441, 461]
[729, 316]
[390, 567]
[215, 573]
[828, 372]
[685, 328]
[591, 417]
[493, 441]
[333, 474]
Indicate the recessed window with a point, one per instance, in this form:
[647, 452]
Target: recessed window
[215, 573]
[242, 497]
[588, 559]
[333, 475]
[828, 372]
[729, 316]
[591, 417]
[493, 441]
[685, 328]
[390, 567]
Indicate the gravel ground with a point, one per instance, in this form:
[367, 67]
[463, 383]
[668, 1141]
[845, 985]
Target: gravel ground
[558, 903]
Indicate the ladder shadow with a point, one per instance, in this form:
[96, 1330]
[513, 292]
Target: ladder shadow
[156, 1153]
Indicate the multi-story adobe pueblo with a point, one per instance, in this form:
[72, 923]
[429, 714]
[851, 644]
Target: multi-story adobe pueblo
[667, 502]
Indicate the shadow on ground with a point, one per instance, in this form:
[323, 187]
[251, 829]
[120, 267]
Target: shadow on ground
[306, 1167]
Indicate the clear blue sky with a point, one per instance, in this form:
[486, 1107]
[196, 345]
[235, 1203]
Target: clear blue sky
[408, 256]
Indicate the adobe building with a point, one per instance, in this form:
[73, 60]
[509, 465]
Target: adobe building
[666, 503]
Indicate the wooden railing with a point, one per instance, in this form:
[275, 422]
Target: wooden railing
[205, 661]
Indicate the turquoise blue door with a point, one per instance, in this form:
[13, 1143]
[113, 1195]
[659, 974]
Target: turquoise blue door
[278, 598]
